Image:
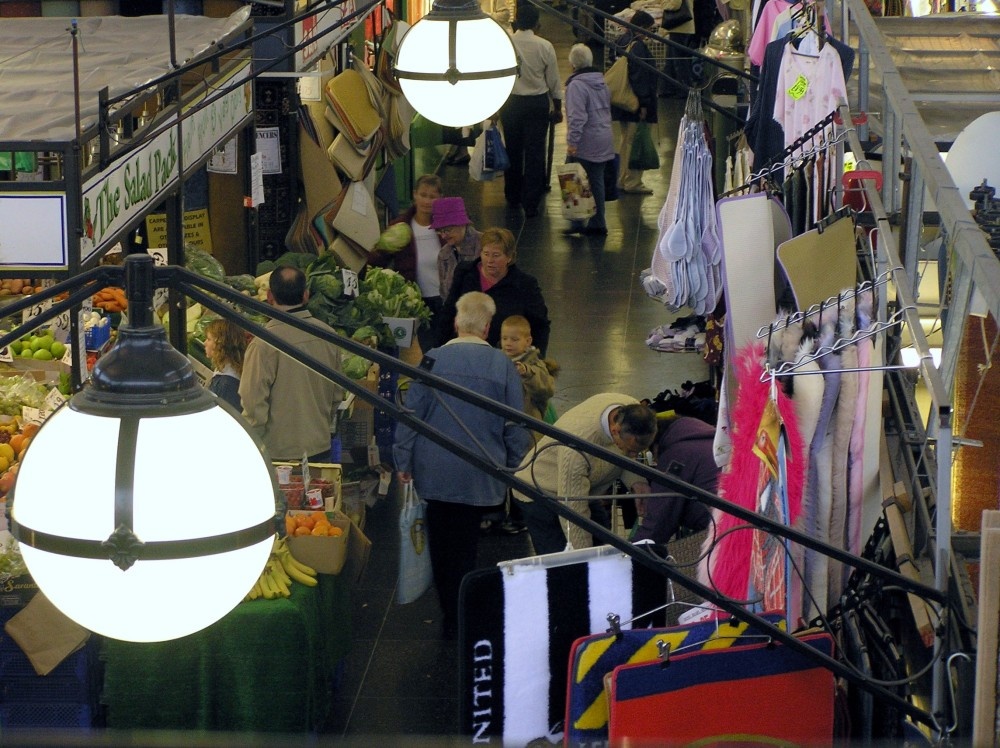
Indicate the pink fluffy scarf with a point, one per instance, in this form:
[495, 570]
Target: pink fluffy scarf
[726, 567]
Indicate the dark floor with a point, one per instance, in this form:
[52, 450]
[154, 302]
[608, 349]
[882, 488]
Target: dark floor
[400, 678]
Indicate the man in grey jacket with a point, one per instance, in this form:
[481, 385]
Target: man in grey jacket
[290, 406]
[457, 493]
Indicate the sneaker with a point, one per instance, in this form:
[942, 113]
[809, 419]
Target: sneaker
[595, 231]
[512, 528]
[574, 231]
[486, 527]
[640, 190]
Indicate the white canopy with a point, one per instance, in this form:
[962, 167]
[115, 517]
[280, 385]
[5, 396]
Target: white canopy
[36, 65]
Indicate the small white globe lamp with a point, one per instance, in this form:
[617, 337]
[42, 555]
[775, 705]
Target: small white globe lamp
[144, 508]
[456, 65]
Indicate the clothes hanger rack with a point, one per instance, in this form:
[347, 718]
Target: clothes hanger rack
[834, 301]
[791, 368]
[793, 152]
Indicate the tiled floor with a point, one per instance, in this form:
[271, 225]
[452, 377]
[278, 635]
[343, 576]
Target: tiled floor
[400, 678]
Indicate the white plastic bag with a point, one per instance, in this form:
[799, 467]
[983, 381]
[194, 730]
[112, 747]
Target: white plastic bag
[477, 160]
[414, 553]
[578, 202]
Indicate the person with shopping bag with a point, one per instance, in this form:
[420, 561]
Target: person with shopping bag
[588, 132]
[457, 493]
[644, 83]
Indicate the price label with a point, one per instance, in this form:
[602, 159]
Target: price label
[161, 295]
[67, 357]
[31, 415]
[350, 279]
[53, 400]
[60, 327]
[384, 477]
[374, 459]
[35, 309]
[159, 255]
[5, 355]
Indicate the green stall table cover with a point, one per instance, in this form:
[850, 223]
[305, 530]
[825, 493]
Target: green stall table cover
[267, 666]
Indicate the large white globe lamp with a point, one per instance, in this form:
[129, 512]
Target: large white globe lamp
[143, 508]
[456, 65]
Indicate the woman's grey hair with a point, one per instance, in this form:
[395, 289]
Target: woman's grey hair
[581, 56]
[473, 311]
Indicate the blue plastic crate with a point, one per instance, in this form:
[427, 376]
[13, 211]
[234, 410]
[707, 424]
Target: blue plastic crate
[77, 679]
[47, 716]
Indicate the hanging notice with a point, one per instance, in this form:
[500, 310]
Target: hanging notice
[223, 161]
[256, 180]
[269, 149]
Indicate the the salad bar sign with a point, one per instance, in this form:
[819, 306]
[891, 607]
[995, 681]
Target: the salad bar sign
[120, 194]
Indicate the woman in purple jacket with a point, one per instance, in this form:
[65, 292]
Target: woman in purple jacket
[588, 131]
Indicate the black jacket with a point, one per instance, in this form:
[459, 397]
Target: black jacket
[516, 293]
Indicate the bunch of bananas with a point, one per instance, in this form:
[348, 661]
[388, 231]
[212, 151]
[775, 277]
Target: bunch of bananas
[279, 572]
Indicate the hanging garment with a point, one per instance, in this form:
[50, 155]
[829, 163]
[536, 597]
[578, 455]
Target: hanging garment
[764, 130]
[725, 563]
[688, 256]
[843, 424]
[817, 497]
[856, 479]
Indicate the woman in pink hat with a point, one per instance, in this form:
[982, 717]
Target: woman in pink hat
[460, 242]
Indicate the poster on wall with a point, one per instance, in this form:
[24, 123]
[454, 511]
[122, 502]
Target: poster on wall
[269, 149]
[223, 161]
[197, 230]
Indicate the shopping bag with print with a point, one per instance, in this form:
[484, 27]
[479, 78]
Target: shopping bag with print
[578, 202]
[414, 554]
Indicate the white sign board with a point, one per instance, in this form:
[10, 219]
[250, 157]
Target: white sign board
[33, 231]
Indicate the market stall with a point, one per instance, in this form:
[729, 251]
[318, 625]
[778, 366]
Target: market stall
[211, 680]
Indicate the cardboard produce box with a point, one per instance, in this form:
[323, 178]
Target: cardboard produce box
[347, 553]
[326, 554]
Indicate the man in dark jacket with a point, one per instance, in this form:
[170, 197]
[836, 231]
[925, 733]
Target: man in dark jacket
[684, 451]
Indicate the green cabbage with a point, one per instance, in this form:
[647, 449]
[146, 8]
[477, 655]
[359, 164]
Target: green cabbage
[355, 367]
[202, 263]
[395, 237]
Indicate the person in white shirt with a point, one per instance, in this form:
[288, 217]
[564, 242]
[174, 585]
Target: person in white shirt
[535, 100]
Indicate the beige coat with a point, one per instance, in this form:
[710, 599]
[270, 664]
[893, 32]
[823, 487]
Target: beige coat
[569, 473]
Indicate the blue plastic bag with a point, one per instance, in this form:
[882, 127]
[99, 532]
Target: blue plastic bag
[496, 158]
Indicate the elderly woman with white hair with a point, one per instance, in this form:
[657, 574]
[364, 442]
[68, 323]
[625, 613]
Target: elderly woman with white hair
[589, 140]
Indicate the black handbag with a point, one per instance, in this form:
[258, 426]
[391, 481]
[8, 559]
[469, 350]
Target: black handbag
[674, 18]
